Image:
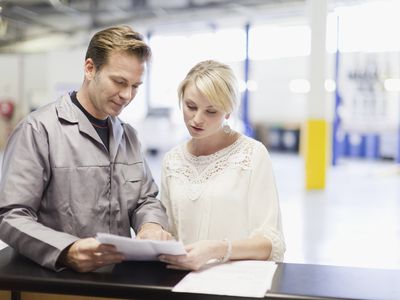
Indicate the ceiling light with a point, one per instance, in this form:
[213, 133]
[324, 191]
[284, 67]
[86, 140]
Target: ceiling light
[330, 85]
[392, 84]
[299, 86]
[252, 85]
[242, 86]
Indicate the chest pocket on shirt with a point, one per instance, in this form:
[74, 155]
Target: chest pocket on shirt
[132, 176]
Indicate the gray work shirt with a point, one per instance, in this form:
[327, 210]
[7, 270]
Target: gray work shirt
[59, 183]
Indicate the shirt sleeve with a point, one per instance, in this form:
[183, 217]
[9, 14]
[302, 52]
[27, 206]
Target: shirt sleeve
[165, 198]
[25, 175]
[149, 208]
[264, 210]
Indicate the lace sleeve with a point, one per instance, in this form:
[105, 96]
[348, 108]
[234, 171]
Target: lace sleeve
[264, 211]
[277, 241]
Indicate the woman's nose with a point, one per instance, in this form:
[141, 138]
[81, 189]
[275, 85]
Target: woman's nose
[198, 117]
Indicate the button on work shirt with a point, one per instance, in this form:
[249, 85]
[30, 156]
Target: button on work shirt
[59, 183]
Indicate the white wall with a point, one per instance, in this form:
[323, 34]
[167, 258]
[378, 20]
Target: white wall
[32, 80]
[36, 77]
[9, 76]
[65, 70]
[45, 76]
[273, 102]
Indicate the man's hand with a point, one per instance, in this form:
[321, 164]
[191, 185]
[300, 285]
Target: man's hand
[153, 231]
[88, 254]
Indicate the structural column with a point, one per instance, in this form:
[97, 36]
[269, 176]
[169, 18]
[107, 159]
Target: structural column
[245, 100]
[316, 126]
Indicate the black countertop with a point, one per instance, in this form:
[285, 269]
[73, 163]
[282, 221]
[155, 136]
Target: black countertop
[151, 280]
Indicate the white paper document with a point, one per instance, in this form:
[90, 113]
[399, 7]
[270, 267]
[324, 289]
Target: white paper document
[2, 245]
[134, 249]
[248, 278]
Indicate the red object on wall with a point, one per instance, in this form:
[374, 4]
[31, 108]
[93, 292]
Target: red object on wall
[6, 109]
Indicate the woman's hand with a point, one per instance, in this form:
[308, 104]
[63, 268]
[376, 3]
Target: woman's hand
[198, 254]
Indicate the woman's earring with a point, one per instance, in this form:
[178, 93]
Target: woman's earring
[226, 128]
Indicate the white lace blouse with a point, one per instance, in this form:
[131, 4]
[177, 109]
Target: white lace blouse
[229, 194]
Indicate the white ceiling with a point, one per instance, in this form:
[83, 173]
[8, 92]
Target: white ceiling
[22, 21]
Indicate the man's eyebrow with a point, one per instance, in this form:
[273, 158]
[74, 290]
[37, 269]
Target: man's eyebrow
[125, 80]
[119, 77]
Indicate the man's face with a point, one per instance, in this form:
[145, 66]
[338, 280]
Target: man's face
[114, 86]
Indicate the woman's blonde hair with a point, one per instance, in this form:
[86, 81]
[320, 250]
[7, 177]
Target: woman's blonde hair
[216, 81]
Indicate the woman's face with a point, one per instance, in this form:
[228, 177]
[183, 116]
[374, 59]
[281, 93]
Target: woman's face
[202, 119]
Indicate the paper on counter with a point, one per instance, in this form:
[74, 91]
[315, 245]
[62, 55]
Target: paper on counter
[134, 249]
[248, 278]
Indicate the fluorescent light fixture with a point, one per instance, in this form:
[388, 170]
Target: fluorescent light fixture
[299, 86]
[330, 85]
[274, 42]
[355, 21]
[242, 86]
[392, 84]
[252, 85]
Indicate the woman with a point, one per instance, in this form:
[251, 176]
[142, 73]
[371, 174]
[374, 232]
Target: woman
[218, 188]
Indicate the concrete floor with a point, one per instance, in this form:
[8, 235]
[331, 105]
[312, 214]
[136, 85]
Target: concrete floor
[353, 222]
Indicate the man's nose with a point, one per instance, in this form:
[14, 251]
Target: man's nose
[126, 93]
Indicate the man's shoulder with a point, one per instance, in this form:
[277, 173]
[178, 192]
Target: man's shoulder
[128, 128]
[45, 112]
[44, 117]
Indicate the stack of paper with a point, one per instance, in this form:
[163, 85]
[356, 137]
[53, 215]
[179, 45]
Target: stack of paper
[247, 278]
[134, 249]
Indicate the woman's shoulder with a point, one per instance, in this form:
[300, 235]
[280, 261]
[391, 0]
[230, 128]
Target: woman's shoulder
[253, 144]
[254, 149]
[241, 153]
[174, 150]
[174, 154]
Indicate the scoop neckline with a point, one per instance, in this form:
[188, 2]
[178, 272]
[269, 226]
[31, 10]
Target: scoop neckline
[215, 154]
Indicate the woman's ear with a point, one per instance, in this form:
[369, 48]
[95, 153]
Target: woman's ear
[227, 116]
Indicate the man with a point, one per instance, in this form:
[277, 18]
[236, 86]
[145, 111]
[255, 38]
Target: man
[72, 168]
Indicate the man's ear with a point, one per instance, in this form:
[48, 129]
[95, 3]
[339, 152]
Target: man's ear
[90, 69]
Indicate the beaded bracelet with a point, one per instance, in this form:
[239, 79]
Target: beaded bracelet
[228, 253]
